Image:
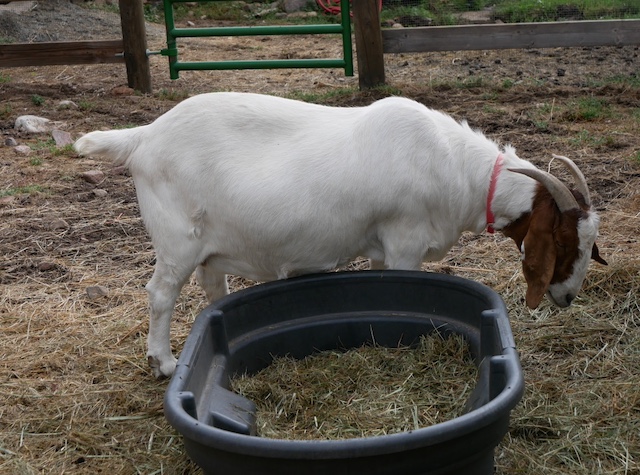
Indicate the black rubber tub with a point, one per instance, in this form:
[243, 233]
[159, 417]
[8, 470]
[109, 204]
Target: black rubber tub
[245, 330]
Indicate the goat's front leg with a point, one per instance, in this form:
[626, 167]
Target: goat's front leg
[163, 290]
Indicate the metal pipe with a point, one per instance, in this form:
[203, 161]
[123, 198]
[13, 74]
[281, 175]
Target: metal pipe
[343, 29]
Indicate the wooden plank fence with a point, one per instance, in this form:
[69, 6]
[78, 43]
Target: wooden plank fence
[372, 42]
[478, 37]
[513, 36]
[131, 49]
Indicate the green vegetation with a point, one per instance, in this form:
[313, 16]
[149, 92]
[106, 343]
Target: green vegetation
[22, 190]
[37, 100]
[588, 109]
[585, 137]
[514, 11]
[229, 11]
[172, 94]
[438, 12]
[49, 146]
[66, 150]
[86, 105]
[322, 97]
[5, 111]
[442, 12]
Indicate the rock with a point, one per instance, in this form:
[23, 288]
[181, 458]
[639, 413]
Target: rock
[57, 224]
[32, 124]
[67, 104]
[7, 200]
[24, 150]
[291, 6]
[100, 193]
[476, 17]
[265, 12]
[45, 266]
[120, 170]
[10, 142]
[61, 137]
[122, 91]
[92, 176]
[302, 15]
[97, 291]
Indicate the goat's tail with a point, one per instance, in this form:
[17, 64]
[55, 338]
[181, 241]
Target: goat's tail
[117, 145]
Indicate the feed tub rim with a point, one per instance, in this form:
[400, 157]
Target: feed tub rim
[497, 409]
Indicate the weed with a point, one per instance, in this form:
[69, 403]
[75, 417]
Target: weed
[490, 95]
[4, 79]
[172, 94]
[489, 109]
[44, 144]
[507, 84]
[5, 111]
[22, 190]
[37, 100]
[471, 83]
[35, 161]
[322, 97]
[227, 11]
[65, 150]
[86, 105]
[588, 109]
[541, 124]
[585, 137]
[514, 11]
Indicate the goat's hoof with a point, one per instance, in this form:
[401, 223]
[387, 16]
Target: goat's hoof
[162, 369]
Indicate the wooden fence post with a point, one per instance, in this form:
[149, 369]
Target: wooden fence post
[135, 45]
[368, 33]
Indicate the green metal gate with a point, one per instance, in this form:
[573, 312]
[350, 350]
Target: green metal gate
[173, 33]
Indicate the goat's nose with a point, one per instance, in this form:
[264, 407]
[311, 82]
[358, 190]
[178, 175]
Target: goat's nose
[570, 298]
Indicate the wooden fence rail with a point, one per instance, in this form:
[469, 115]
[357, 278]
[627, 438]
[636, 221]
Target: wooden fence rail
[372, 42]
[512, 36]
[477, 37]
[58, 52]
[131, 49]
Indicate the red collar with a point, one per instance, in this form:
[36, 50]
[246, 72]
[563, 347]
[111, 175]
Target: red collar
[492, 191]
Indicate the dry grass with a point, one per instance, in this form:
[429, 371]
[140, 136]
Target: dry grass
[362, 392]
[75, 391]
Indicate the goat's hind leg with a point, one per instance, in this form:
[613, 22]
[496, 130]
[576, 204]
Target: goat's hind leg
[163, 289]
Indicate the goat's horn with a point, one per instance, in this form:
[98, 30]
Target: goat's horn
[559, 191]
[581, 182]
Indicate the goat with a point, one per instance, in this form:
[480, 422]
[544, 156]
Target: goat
[268, 188]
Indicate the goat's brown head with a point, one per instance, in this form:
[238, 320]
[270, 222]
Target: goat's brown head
[557, 239]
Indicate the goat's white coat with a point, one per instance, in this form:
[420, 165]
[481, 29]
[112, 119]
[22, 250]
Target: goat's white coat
[267, 188]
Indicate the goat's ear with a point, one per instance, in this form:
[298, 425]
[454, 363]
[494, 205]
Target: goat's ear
[539, 260]
[595, 255]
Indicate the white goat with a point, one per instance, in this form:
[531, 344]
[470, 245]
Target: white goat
[267, 188]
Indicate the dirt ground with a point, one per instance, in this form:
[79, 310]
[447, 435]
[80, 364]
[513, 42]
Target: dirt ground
[77, 394]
